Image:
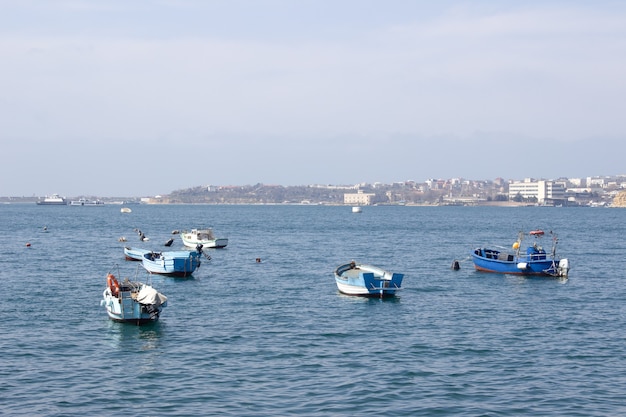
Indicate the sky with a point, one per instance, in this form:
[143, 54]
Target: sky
[140, 98]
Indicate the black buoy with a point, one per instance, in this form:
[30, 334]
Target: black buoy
[169, 242]
[455, 265]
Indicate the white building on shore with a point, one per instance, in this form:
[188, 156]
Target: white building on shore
[544, 191]
[358, 199]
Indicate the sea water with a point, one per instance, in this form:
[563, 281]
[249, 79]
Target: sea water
[269, 338]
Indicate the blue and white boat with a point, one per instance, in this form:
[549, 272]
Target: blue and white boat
[132, 302]
[367, 280]
[175, 263]
[134, 254]
[533, 261]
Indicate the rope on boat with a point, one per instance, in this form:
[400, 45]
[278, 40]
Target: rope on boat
[456, 264]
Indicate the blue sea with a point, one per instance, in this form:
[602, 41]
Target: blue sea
[275, 338]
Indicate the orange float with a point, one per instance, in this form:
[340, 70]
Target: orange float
[113, 284]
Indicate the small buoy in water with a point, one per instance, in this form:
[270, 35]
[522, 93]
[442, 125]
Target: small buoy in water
[258, 260]
[455, 265]
[121, 239]
[28, 244]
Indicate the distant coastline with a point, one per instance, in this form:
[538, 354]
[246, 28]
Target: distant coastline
[590, 191]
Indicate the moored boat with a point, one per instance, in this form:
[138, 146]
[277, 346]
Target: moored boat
[356, 209]
[204, 237]
[533, 261]
[52, 200]
[367, 280]
[131, 301]
[174, 263]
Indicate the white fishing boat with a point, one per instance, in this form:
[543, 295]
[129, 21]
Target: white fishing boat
[131, 301]
[204, 237]
[356, 209]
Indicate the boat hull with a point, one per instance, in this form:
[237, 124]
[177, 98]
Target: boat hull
[367, 281]
[51, 203]
[518, 265]
[177, 264]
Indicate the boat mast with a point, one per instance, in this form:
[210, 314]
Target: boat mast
[520, 237]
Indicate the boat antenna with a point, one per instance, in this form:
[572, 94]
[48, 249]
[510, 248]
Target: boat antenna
[555, 241]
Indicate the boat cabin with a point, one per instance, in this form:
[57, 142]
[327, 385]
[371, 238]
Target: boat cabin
[535, 253]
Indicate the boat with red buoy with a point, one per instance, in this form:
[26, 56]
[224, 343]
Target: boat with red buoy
[131, 301]
[533, 261]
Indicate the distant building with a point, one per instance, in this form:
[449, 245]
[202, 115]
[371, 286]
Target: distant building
[545, 192]
[358, 199]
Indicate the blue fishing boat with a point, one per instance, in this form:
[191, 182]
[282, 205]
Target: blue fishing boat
[132, 302]
[533, 261]
[367, 280]
[174, 263]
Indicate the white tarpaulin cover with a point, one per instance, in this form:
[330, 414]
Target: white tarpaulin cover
[148, 295]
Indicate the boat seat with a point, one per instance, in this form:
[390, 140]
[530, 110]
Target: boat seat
[505, 257]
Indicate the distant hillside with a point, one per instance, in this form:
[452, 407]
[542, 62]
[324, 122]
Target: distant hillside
[254, 194]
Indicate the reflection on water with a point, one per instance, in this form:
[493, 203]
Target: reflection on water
[127, 336]
[368, 300]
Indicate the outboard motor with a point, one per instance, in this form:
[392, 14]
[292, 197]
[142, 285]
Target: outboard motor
[563, 268]
[152, 310]
[199, 247]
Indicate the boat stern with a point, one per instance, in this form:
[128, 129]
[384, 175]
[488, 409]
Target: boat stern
[387, 285]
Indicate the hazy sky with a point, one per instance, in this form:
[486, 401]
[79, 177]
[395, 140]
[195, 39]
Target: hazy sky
[137, 98]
